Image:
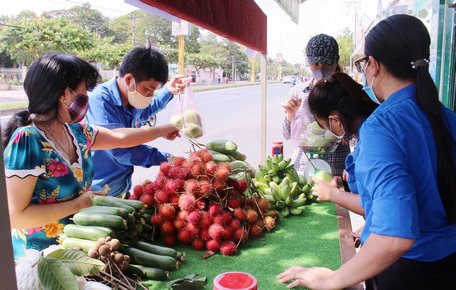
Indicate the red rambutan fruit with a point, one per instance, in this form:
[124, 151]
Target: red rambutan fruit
[214, 209]
[225, 165]
[240, 214]
[205, 234]
[269, 223]
[254, 231]
[200, 204]
[263, 204]
[216, 231]
[241, 235]
[197, 169]
[205, 187]
[178, 161]
[252, 216]
[206, 219]
[228, 234]
[133, 197]
[198, 244]
[184, 236]
[234, 203]
[138, 190]
[167, 211]
[219, 185]
[147, 199]
[161, 196]
[213, 245]
[194, 217]
[193, 229]
[228, 249]
[149, 188]
[222, 173]
[165, 167]
[167, 228]
[179, 224]
[191, 186]
[183, 215]
[156, 219]
[235, 224]
[187, 202]
[210, 167]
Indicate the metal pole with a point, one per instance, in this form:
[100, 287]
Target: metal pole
[263, 106]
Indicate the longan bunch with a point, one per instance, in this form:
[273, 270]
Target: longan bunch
[106, 250]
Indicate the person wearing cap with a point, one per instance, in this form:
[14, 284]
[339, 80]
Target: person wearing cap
[130, 101]
[403, 168]
[322, 53]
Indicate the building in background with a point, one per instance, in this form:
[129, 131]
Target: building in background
[439, 16]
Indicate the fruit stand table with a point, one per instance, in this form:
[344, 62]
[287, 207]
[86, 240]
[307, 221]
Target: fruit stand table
[321, 236]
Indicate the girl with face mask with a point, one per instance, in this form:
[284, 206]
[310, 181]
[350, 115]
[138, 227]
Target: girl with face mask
[322, 53]
[339, 105]
[48, 165]
[404, 169]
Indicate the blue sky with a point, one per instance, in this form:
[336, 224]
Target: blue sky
[316, 16]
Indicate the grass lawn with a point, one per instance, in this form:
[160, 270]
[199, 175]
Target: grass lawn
[311, 239]
[14, 105]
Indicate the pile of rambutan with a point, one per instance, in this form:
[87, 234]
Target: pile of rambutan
[197, 203]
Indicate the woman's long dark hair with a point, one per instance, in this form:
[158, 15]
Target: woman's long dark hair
[45, 83]
[340, 93]
[397, 42]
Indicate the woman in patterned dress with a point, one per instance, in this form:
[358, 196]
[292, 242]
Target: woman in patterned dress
[47, 157]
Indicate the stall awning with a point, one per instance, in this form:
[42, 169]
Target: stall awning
[241, 21]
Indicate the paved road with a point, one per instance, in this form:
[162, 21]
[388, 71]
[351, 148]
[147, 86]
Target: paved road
[232, 114]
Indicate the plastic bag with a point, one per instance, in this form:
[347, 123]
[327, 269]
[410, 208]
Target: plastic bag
[186, 116]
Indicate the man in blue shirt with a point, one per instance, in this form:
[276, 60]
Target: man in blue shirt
[127, 101]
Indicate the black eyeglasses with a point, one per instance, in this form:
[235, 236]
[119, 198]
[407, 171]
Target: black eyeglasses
[360, 64]
[152, 121]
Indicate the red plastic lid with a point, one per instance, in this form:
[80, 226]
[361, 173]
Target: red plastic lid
[277, 142]
[235, 280]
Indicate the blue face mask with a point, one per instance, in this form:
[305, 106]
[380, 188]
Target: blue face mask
[368, 89]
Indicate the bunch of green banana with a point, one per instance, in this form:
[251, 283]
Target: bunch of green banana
[285, 189]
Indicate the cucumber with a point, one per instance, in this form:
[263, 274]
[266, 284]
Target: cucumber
[154, 249]
[222, 146]
[136, 204]
[86, 245]
[106, 210]
[111, 201]
[238, 155]
[148, 272]
[219, 157]
[102, 220]
[86, 232]
[151, 260]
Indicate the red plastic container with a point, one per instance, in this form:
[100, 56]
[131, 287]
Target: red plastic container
[235, 281]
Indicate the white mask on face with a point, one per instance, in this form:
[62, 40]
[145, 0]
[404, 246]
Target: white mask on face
[138, 100]
[339, 137]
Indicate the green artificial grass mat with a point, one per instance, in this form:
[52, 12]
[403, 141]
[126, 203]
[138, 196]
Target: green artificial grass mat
[311, 239]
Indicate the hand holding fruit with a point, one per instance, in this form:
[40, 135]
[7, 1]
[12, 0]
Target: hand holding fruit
[178, 83]
[168, 131]
[324, 191]
[85, 199]
[291, 106]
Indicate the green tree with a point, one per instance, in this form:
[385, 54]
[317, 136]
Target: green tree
[25, 41]
[107, 53]
[86, 17]
[202, 61]
[346, 47]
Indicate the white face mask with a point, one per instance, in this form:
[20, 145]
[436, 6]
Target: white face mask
[138, 100]
[339, 137]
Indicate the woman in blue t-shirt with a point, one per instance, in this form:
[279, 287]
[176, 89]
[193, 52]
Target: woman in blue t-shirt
[404, 171]
[47, 157]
